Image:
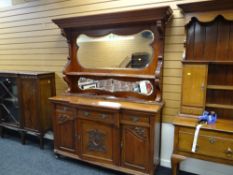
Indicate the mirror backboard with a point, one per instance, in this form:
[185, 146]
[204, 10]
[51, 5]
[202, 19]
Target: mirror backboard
[115, 51]
[143, 87]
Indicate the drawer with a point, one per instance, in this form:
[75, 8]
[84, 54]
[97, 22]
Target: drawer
[210, 143]
[64, 109]
[135, 118]
[64, 113]
[96, 115]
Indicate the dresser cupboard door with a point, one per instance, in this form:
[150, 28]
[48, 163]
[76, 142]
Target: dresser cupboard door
[65, 129]
[194, 88]
[135, 147]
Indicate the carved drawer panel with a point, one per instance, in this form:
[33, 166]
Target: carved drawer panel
[135, 118]
[209, 143]
[64, 109]
[64, 113]
[96, 115]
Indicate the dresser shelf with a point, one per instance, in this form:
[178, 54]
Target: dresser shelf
[220, 87]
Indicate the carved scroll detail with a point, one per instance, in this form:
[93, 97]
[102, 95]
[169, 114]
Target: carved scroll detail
[141, 132]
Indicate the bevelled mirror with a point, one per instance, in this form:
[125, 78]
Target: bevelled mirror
[115, 51]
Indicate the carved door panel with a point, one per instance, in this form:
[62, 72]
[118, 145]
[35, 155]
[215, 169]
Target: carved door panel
[135, 147]
[64, 131]
[97, 141]
[194, 87]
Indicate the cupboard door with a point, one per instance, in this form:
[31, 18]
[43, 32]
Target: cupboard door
[64, 130]
[135, 147]
[194, 85]
[97, 141]
[29, 103]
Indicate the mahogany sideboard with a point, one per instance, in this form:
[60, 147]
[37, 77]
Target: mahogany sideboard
[120, 135]
[111, 113]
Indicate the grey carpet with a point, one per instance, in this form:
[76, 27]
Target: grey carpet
[18, 159]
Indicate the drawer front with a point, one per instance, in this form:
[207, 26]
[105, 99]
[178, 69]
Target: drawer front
[64, 113]
[135, 118]
[96, 115]
[209, 143]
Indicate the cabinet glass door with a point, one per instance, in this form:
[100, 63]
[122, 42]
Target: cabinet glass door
[9, 103]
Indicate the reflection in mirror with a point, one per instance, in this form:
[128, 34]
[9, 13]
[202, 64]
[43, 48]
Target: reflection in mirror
[143, 87]
[115, 51]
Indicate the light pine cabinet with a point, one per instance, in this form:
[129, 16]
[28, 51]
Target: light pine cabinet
[207, 84]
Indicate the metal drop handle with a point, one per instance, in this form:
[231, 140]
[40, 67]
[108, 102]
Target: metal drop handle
[229, 152]
[86, 114]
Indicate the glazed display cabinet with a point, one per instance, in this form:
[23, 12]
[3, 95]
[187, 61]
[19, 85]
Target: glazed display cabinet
[24, 102]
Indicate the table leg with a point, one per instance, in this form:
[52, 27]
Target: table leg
[175, 160]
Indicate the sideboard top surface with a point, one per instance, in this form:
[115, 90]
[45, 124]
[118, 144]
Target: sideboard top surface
[107, 103]
[221, 124]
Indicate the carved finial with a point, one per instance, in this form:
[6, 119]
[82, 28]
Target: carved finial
[63, 33]
[159, 25]
[66, 79]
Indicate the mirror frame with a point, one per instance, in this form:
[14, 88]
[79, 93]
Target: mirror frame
[121, 23]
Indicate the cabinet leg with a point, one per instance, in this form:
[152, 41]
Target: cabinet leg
[1, 131]
[175, 160]
[23, 137]
[41, 141]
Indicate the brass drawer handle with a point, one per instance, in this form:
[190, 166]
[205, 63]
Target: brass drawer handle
[229, 152]
[135, 119]
[86, 114]
[64, 109]
[104, 116]
[212, 140]
[197, 147]
[62, 118]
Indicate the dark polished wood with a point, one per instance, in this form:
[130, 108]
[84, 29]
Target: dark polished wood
[122, 135]
[133, 17]
[206, 6]
[207, 84]
[34, 89]
[123, 23]
[215, 36]
[117, 130]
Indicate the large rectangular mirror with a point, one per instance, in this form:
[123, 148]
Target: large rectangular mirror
[115, 51]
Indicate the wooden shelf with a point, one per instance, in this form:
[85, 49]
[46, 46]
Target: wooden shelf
[212, 105]
[95, 74]
[203, 61]
[219, 87]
